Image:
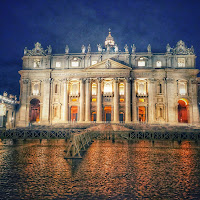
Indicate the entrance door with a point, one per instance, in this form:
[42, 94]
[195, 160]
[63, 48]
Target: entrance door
[34, 114]
[107, 113]
[121, 116]
[74, 113]
[142, 113]
[94, 119]
[183, 111]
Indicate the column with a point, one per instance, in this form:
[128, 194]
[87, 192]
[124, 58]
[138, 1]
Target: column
[128, 101]
[82, 103]
[87, 100]
[116, 100]
[195, 111]
[151, 104]
[171, 91]
[65, 102]
[134, 102]
[23, 102]
[99, 102]
[46, 97]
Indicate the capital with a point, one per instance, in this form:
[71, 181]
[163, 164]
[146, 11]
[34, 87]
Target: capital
[48, 80]
[82, 80]
[87, 80]
[25, 81]
[116, 80]
[99, 80]
[128, 79]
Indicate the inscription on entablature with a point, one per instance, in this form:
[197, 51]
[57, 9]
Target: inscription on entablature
[143, 74]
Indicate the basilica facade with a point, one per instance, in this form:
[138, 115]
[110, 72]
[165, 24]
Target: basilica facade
[109, 85]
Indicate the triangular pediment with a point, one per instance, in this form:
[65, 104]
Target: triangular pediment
[108, 64]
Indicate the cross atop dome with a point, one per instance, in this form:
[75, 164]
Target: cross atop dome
[109, 40]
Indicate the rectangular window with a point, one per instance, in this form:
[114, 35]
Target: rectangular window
[94, 99]
[181, 62]
[141, 63]
[158, 64]
[182, 88]
[141, 100]
[75, 63]
[58, 64]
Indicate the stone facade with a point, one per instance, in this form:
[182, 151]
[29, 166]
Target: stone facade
[8, 108]
[109, 85]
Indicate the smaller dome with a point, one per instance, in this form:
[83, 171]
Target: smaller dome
[109, 40]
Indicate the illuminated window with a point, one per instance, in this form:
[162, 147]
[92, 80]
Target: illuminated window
[35, 89]
[37, 63]
[94, 89]
[107, 87]
[121, 100]
[141, 88]
[58, 64]
[75, 89]
[121, 89]
[74, 99]
[182, 88]
[141, 63]
[158, 64]
[94, 99]
[181, 62]
[94, 62]
[75, 63]
[141, 100]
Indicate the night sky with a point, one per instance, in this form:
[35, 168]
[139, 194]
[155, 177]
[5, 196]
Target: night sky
[78, 22]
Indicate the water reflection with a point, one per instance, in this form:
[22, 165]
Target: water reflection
[122, 170]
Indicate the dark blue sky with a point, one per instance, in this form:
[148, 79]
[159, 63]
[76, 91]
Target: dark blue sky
[78, 22]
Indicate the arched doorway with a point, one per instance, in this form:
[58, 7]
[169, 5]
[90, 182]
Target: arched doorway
[142, 113]
[121, 116]
[34, 114]
[94, 119]
[74, 113]
[107, 113]
[183, 109]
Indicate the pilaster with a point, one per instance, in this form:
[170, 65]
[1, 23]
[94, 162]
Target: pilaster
[87, 100]
[99, 102]
[116, 100]
[128, 101]
[82, 102]
[134, 102]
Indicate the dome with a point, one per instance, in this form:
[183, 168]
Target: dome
[109, 39]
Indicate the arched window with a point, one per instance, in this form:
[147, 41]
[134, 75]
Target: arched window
[94, 89]
[121, 89]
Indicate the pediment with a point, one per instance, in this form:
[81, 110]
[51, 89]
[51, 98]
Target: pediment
[108, 64]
